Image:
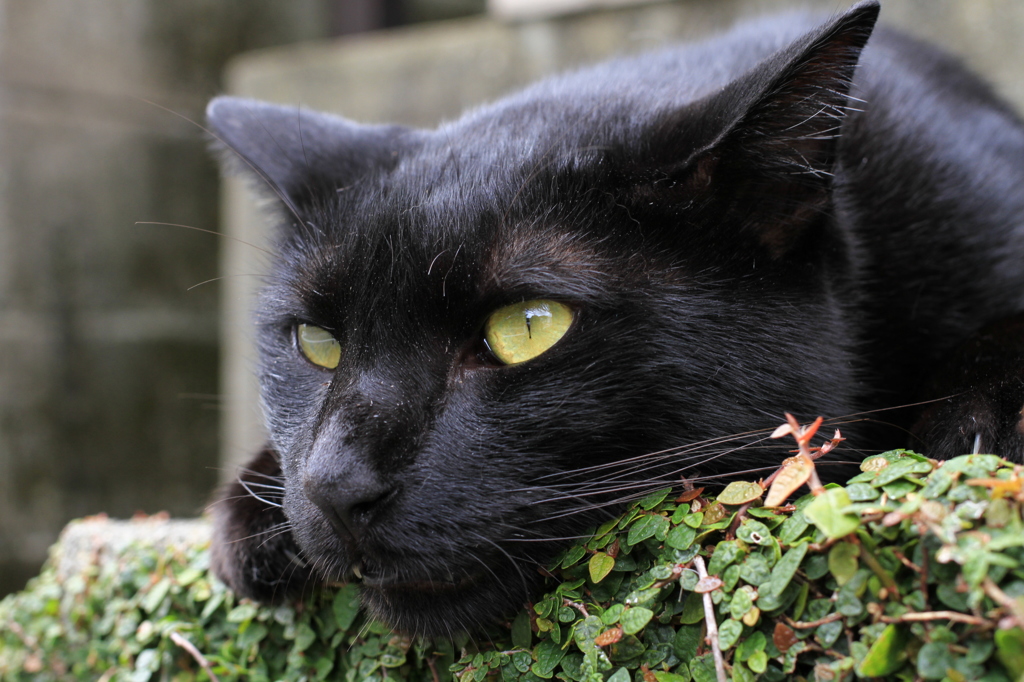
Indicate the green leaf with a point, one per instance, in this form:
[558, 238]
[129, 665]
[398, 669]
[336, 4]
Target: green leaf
[741, 674]
[906, 466]
[842, 561]
[730, 578]
[681, 537]
[729, 633]
[653, 499]
[827, 513]
[687, 640]
[934, 660]
[620, 675]
[156, 595]
[629, 647]
[600, 566]
[938, 483]
[897, 490]
[669, 677]
[346, 606]
[1010, 651]
[862, 492]
[703, 669]
[827, 633]
[188, 576]
[549, 655]
[148, 661]
[304, 636]
[645, 527]
[974, 465]
[816, 566]
[754, 569]
[758, 662]
[742, 601]
[242, 613]
[633, 620]
[786, 568]
[252, 635]
[888, 654]
[793, 527]
[751, 645]
[754, 533]
[740, 492]
[522, 635]
[726, 552]
[573, 555]
[612, 615]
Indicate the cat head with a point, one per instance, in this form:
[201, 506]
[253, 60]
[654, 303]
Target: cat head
[473, 337]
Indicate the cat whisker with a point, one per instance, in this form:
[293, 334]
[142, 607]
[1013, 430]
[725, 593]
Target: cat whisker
[563, 538]
[201, 229]
[266, 486]
[253, 472]
[655, 463]
[507, 556]
[245, 484]
[667, 452]
[275, 529]
[217, 279]
[230, 498]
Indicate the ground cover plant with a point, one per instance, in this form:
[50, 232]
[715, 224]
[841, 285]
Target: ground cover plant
[914, 570]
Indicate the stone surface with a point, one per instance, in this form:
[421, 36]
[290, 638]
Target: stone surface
[89, 541]
[423, 75]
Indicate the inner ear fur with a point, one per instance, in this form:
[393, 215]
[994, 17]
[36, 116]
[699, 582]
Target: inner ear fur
[296, 154]
[768, 167]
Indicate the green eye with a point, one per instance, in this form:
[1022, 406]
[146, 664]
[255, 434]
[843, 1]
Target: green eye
[522, 331]
[319, 346]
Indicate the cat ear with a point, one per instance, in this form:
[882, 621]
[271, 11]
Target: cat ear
[298, 153]
[761, 153]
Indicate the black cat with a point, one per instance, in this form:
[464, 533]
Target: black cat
[473, 337]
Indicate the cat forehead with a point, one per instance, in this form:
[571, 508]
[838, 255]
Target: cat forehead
[439, 248]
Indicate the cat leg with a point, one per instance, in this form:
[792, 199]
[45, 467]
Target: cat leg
[253, 550]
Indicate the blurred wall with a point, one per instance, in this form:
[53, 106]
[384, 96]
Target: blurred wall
[422, 75]
[108, 361]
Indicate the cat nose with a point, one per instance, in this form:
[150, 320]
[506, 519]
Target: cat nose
[350, 499]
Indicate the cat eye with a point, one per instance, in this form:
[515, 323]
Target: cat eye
[522, 331]
[318, 345]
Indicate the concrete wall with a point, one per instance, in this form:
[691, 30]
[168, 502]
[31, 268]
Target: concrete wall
[422, 75]
[109, 397]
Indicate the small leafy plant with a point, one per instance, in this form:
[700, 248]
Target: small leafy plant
[914, 570]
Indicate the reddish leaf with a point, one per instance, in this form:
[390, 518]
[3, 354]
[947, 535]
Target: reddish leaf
[689, 495]
[783, 637]
[707, 584]
[612, 636]
[794, 472]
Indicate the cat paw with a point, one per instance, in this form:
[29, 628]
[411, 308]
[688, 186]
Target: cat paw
[978, 395]
[253, 550]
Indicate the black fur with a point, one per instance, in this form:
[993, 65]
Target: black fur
[978, 395]
[745, 226]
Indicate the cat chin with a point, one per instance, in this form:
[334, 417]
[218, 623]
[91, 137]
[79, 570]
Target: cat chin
[428, 593]
[441, 609]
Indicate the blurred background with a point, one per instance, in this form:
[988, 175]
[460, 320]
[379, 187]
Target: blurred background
[109, 381]
[125, 364]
